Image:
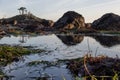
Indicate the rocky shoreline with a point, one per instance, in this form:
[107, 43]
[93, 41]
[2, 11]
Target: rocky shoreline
[70, 22]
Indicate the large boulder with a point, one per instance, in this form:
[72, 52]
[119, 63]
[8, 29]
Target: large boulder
[70, 20]
[108, 21]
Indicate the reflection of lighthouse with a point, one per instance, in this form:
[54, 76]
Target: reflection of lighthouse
[23, 39]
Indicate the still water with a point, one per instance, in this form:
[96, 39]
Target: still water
[58, 47]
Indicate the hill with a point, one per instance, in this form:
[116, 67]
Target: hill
[109, 21]
[70, 20]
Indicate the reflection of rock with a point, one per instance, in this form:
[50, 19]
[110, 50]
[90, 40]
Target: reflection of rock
[71, 39]
[70, 20]
[107, 41]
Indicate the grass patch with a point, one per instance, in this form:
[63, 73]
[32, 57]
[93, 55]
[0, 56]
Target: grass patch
[10, 53]
[95, 67]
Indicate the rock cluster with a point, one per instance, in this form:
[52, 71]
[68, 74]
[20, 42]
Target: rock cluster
[70, 22]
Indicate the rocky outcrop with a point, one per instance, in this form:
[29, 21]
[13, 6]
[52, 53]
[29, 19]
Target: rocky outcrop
[108, 21]
[70, 20]
[26, 21]
[2, 32]
[88, 25]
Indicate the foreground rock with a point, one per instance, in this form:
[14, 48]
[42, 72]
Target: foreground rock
[70, 21]
[108, 21]
[97, 66]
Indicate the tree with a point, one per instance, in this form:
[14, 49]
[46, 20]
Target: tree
[22, 10]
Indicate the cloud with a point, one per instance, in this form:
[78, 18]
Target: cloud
[2, 14]
[53, 9]
[22, 3]
[103, 3]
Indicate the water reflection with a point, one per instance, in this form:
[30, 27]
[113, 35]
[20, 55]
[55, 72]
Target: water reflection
[71, 39]
[24, 38]
[3, 76]
[55, 52]
[107, 41]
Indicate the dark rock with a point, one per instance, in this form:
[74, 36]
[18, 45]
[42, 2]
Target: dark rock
[88, 25]
[70, 20]
[16, 59]
[2, 32]
[49, 23]
[32, 28]
[108, 21]
[26, 21]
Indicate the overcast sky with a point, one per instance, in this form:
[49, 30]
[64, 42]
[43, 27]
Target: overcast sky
[54, 9]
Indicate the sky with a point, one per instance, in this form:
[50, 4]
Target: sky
[54, 9]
